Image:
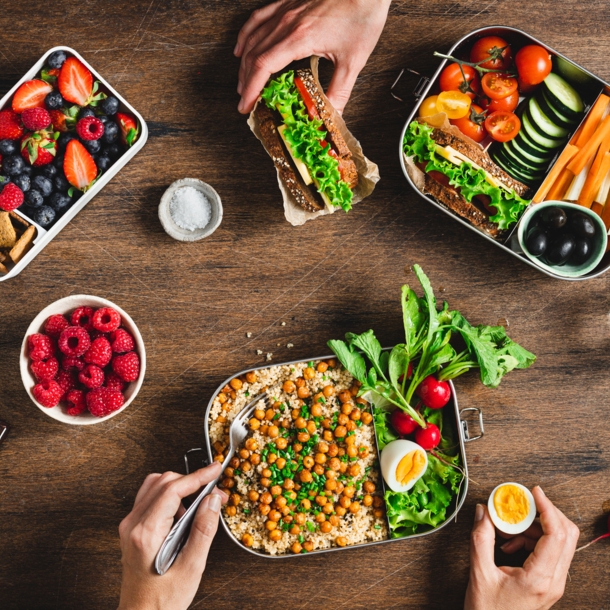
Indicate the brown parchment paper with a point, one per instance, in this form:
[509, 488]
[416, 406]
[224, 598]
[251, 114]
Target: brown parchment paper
[368, 172]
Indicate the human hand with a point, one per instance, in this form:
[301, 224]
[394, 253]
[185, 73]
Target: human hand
[145, 528]
[541, 581]
[343, 31]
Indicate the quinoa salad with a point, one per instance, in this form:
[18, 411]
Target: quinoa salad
[307, 476]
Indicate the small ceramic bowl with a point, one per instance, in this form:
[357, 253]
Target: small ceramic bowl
[567, 270]
[65, 306]
[177, 232]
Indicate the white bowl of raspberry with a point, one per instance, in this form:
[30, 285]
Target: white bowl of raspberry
[82, 360]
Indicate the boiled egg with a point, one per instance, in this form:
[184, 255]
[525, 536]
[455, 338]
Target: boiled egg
[512, 508]
[403, 463]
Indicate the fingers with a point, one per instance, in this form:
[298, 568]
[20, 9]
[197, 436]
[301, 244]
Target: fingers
[256, 19]
[149, 481]
[482, 541]
[341, 85]
[519, 542]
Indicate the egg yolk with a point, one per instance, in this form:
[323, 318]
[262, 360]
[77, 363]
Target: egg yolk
[511, 504]
[410, 467]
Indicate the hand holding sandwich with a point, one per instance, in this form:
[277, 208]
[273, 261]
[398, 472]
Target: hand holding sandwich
[343, 31]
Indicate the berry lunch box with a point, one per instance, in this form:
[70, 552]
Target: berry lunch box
[196, 458]
[589, 87]
[43, 236]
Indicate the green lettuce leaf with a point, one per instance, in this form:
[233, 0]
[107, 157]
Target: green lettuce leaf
[385, 432]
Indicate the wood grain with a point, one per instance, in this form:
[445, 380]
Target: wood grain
[65, 489]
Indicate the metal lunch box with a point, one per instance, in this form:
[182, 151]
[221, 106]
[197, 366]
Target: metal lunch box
[43, 237]
[422, 91]
[461, 426]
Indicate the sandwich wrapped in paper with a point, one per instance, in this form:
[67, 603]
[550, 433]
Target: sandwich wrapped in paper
[320, 165]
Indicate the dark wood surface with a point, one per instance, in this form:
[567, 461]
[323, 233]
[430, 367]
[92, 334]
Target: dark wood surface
[64, 489]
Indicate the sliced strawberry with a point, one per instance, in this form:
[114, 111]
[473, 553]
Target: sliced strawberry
[62, 119]
[128, 126]
[79, 166]
[31, 95]
[75, 82]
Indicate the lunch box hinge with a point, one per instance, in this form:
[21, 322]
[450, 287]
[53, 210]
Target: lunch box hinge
[479, 412]
[421, 85]
[202, 462]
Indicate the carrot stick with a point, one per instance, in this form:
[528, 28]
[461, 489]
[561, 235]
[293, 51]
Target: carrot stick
[596, 174]
[592, 121]
[589, 149]
[560, 187]
[606, 215]
[564, 158]
[597, 208]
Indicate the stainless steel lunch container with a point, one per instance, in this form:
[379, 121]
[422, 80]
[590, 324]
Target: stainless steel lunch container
[423, 90]
[461, 426]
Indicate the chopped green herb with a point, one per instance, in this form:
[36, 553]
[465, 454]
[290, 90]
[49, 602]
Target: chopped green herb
[359, 423]
[301, 539]
[310, 526]
[246, 393]
[377, 526]
[351, 433]
[310, 364]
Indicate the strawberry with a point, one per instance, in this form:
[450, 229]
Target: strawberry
[62, 120]
[128, 126]
[79, 166]
[10, 125]
[11, 197]
[76, 84]
[31, 95]
[39, 148]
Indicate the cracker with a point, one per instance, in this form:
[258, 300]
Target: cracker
[8, 236]
[2, 256]
[23, 245]
[3, 269]
[20, 223]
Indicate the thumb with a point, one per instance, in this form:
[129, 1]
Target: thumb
[341, 85]
[482, 540]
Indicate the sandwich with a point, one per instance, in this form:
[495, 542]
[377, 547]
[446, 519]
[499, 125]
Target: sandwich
[298, 129]
[461, 176]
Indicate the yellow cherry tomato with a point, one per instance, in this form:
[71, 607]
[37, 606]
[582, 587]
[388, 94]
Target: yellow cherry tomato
[428, 106]
[454, 104]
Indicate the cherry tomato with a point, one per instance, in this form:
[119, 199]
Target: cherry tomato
[506, 104]
[403, 424]
[485, 201]
[428, 438]
[502, 126]
[435, 394]
[472, 124]
[495, 50]
[454, 104]
[452, 79]
[428, 106]
[533, 64]
[498, 86]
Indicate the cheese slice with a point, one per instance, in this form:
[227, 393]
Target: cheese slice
[301, 167]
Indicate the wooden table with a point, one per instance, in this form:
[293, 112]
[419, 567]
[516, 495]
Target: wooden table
[64, 489]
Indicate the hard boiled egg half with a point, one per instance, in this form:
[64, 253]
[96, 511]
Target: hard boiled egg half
[511, 508]
[403, 463]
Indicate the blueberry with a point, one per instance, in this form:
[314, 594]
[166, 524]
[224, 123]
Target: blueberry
[43, 185]
[23, 182]
[64, 138]
[34, 198]
[103, 162]
[49, 171]
[44, 216]
[111, 132]
[93, 146]
[83, 112]
[12, 165]
[54, 100]
[76, 195]
[8, 147]
[113, 151]
[56, 60]
[4, 179]
[104, 119]
[59, 202]
[61, 184]
[58, 162]
[110, 105]
[27, 170]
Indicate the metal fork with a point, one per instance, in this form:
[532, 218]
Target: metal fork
[179, 533]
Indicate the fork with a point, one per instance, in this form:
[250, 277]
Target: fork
[179, 533]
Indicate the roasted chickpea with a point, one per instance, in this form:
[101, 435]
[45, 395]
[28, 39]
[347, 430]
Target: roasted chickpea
[306, 504]
[361, 401]
[308, 546]
[341, 452]
[353, 470]
[340, 488]
[308, 461]
[318, 469]
[229, 472]
[275, 535]
[288, 484]
[349, 491]
[322, 447]
[296, 548]
[300, 423]
[311, 427]
[327, 509]
[326, 423]
[352, 451]
[340, 432]
[347, 408]
[366, 418]
[330, 484]
[318, 398]
[295, 413]
[244, 454]
[309, 373]
[305, 476]
[369, 487]
[345, 396]
[303, 392]
[272, 458]
[326, 527]
[320, 518]
[328, 391]
[363, 452]
[254, 424]
[300, 518]
[320, 458]
[234, 499]
[334, 520]
[328, 435]
[379, 513]
[263, 429]
[247, 540]
[334, 463]
[219, 458]
[251, 444]
[221, 419]
[280, 463]
[340, 510]
[251, 377]
[236, 384]
[300, 382]
[341, 541]
[354, 507]
[265, 482]
[344, 501]
[342, 419]
[281, 443]
[234, 463]
[322, 367]
[285, 423]
[253, 495]
[291, 495]
[270, 524]
[280, 502]
[377, 501]
[266, 472]
[351, 425]
[231, 511]
[226, 389]
[316, 410]
[333, 450]
[219, 447]
[303, 437]
[297, 447]
[276, 490]
[343, 468]
[287, 518]
[266, 498]
[321, 500]
[269, 414]
[264, 509]
[275, 515]
[273, 432]
[367, 500]
[356, 414]
[351, 439]
[332, 363]
[259, 414]
[295, 530]
[289, 386]
[228, 483]
[222, 398]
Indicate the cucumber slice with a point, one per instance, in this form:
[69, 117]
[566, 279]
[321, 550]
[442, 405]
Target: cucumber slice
[543, 122]
[537, 137]
[517, 166]
[513, 170]
[522, 164]
[563, 96]
[526, 143]
[553, 114]
[535, 161]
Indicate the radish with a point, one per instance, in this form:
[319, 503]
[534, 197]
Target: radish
[409, 373]
[428, 438]
[435, 394]
[606, 535]
[403, 424]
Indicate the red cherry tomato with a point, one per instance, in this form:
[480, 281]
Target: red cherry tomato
[495, 50]
[502, 126]
[403, 424]
[435, 394]
[452, 79]
[533, 64]
[472, 125]
[498, 86]
[506, 104]
[428, 438]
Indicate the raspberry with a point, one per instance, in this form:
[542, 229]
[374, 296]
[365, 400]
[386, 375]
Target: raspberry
[99, 353]
[106, 320]
[90, 128]
[96, 334]
[66, 381]
[35, 118]
[103, 401]
[11, 197]
[74, 341]
[127, 366]
[83, 316]
[72, 363]
[55, 324]
[45, 370]
[77, 403]
[114, 382]
[121, 341]
[10, 125]
[40, 347]
[47, 393]
[91, 376]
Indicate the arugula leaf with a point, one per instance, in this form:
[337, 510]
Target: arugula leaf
[351, 360]
[430, 301]
[385, 433]
[399, 362]
[413, 321]
[368, 343]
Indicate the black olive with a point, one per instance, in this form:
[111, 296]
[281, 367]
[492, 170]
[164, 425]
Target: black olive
[537, 242]
[554, 217]
[582, 251]
[560, 250]
[582, 225]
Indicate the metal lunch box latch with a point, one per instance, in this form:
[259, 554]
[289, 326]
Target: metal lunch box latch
[419, 88]
[479, 412]
[3, 430]
[202, 461]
